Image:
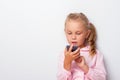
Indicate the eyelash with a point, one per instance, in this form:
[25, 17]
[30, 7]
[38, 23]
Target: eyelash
[76, 33]
[69, 33]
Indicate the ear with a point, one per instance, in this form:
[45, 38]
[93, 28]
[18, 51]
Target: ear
[88, 33]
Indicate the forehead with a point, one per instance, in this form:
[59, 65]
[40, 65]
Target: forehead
[74, 25]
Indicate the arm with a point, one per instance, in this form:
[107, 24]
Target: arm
[62, 74]
[65, 61]
[97, 72]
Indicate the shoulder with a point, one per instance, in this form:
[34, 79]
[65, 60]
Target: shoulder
[99, 55]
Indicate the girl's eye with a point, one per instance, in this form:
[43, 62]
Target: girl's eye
[69, 33]
[78, 33]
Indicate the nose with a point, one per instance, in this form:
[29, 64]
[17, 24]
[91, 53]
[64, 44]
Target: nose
[73, 37]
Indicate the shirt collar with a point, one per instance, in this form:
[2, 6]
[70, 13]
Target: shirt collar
[84, 49]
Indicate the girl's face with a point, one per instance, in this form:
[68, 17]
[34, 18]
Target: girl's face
[76, 33]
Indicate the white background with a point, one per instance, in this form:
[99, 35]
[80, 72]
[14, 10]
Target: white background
[32, 35]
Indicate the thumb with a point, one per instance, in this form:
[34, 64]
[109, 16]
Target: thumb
[65, 51]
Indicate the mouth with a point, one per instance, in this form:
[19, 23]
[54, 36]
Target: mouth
[74, 43]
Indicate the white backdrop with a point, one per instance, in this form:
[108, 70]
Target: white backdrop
[32, 35]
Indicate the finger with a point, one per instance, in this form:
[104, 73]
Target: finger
[65, 51]
[70, 49]
[76, 55]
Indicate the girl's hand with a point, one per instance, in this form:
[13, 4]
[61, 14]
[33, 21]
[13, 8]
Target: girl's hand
[70, 56]
[82, 64]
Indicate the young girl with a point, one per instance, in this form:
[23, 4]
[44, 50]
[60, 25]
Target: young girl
[86, 62]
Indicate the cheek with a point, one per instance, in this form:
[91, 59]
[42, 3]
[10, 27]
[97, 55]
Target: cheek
[68, 37]
[81, 38]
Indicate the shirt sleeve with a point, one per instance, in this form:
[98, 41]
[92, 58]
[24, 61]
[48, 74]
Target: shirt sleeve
[62, 73]
[97, 72]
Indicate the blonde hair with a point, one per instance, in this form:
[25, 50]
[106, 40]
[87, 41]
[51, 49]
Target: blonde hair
[91, 40]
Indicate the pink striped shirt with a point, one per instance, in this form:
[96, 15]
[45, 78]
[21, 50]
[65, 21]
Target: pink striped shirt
[96, 68]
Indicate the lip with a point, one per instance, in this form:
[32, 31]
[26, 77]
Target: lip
[74, 43]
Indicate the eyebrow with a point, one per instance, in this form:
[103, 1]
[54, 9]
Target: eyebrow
[76, 31]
